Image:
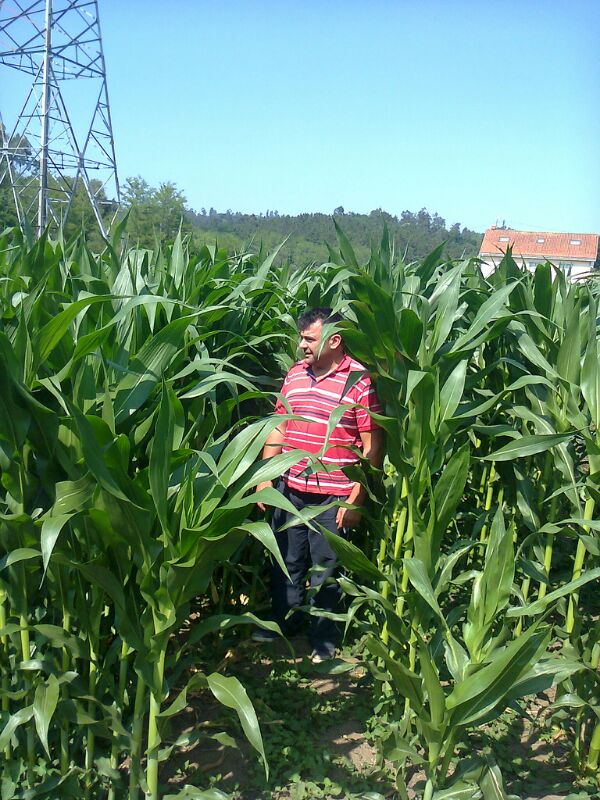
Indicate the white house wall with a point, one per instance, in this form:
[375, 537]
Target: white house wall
[578, 269]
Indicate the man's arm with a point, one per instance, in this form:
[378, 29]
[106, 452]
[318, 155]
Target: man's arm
[272, 447]
[373, 446]
[373, 449]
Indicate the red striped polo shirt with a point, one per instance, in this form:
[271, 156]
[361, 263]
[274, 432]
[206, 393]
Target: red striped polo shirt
[315, 398]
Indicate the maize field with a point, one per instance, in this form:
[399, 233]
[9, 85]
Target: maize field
[136, 390]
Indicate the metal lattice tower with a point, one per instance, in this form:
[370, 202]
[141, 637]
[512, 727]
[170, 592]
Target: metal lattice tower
[62, 138]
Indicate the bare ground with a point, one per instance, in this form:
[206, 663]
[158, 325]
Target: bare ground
[335, 749]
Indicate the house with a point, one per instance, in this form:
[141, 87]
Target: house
[575, 253]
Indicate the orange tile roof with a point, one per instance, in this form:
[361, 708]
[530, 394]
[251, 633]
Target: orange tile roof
[526, 244]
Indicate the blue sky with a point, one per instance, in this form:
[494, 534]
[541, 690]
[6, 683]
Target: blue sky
[479, 110]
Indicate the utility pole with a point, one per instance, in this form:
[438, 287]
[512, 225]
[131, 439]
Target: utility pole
[61, 140]
[46, 66]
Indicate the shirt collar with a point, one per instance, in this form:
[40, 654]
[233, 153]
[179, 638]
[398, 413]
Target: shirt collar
[343, 366]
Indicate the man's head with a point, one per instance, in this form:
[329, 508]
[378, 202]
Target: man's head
[320, 352]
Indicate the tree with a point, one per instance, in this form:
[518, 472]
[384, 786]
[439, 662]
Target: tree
[154, 213]
[170, 210]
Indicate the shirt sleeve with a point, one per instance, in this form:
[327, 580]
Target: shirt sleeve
[367, 396]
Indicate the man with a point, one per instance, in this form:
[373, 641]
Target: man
[314, 387]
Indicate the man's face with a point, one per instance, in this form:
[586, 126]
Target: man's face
[310, 344]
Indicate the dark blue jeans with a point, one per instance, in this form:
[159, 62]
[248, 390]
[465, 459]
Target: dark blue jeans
[303, 548]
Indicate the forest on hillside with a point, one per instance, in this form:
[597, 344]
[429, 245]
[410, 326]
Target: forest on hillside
[156, 214]
[414, 234]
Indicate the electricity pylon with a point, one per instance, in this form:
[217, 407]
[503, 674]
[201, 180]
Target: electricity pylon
[62, 137]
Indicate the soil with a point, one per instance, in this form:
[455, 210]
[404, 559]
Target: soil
[333, 753]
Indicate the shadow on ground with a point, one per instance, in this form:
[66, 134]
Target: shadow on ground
[314, 731]
[313, 728]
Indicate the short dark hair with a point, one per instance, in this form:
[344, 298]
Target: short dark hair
[323, 314]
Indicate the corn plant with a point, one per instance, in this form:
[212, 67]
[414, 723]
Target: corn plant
[134, 396]
[463, 365]
[131, 419]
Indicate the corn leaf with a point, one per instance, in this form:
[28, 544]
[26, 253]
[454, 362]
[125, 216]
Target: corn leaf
[44, 706]
[231, 693]
[528, 446]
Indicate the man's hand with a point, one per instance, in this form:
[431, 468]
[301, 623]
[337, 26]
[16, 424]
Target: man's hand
[349, 517]
[263, 485]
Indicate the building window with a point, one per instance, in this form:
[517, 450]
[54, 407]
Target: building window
[566, 266]
[541, 240]
[504, 239]
[575, 241]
